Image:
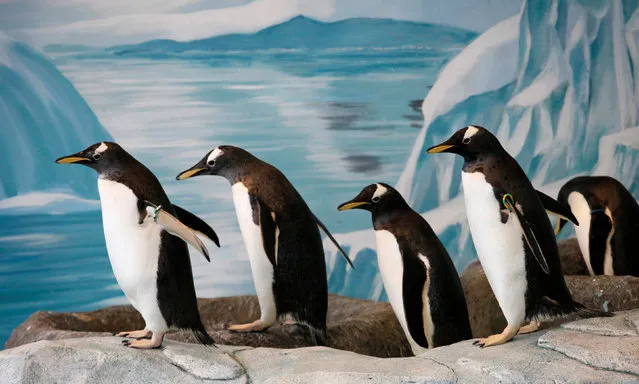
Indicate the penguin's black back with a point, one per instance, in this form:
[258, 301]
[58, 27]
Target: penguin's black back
[176, 290]
[445, 293]
[607, 192]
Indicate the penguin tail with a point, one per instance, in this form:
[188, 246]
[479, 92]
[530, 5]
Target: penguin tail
[202, 336]
[585, 312]
[319, 336]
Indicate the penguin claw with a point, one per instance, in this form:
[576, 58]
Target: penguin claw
[126, 343]
[479, 344]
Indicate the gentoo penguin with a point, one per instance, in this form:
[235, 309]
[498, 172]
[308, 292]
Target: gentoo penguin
[512, 234]
[608, 230]
[419, 277]
[281, 237]
[151, 265]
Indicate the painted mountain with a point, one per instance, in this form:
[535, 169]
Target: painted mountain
[304, 33]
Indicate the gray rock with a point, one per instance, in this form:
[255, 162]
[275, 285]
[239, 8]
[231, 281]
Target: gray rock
[198, 362]
[321, 364]
[353, 324]
[105, 360]
[519, 361]
[582, 352]
[623, 324]
[614, 353]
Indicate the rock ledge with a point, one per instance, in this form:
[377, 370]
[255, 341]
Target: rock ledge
[586, 351]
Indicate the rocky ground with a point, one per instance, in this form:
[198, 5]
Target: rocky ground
[361, 326]
[587, 351]
[48, 345]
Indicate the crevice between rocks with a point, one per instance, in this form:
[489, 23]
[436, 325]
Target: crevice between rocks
[231, 354]
[443, 365]
[212, 380]
[595, 367]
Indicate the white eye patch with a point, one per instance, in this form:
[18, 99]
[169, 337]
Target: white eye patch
[381, 190]
[103, 147]
[470, 132]
[217, 152]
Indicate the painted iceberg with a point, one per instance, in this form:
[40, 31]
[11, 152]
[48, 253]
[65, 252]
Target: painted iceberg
[43, 117]
[557, 84]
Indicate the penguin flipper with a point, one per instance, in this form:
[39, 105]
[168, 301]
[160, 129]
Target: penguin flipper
[529, 235]
[175, 227]
[600, 227]
[268, 228]
[553, 207]
[330, 236]
[196, 224]
[414, 290]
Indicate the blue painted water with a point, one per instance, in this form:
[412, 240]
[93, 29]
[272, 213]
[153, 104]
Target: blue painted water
[333, 120]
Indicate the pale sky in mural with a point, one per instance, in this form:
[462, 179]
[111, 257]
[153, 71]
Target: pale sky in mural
[107, 22]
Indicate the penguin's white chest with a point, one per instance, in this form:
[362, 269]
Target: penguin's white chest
[133, 248]
[261, 267]
[499, 246]
[580, 208]
[391, 268]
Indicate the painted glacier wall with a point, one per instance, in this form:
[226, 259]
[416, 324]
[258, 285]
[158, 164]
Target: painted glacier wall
[558, 86]
[43, 117]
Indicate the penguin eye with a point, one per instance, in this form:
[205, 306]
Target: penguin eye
[466, 140]
[210, 163]
[96, 156]
[375, 199]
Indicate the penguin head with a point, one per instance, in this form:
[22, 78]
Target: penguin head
[469, 142]
[99, 156]
[222, 161]
[375, 198]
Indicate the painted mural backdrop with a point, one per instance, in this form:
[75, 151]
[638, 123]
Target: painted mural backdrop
[336, 94]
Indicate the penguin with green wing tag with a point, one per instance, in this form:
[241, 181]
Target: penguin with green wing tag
[512, 234]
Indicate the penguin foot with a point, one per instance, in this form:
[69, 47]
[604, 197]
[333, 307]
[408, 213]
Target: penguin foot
[498, 339]
[289, 322]
[141, 334]
[530, 328]
[154, 342]
[256, 326]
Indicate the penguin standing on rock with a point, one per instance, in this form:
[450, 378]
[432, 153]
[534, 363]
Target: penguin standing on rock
[419, 277]
[608, 230]
[281, 237]
[512, 234]
[151, 265]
